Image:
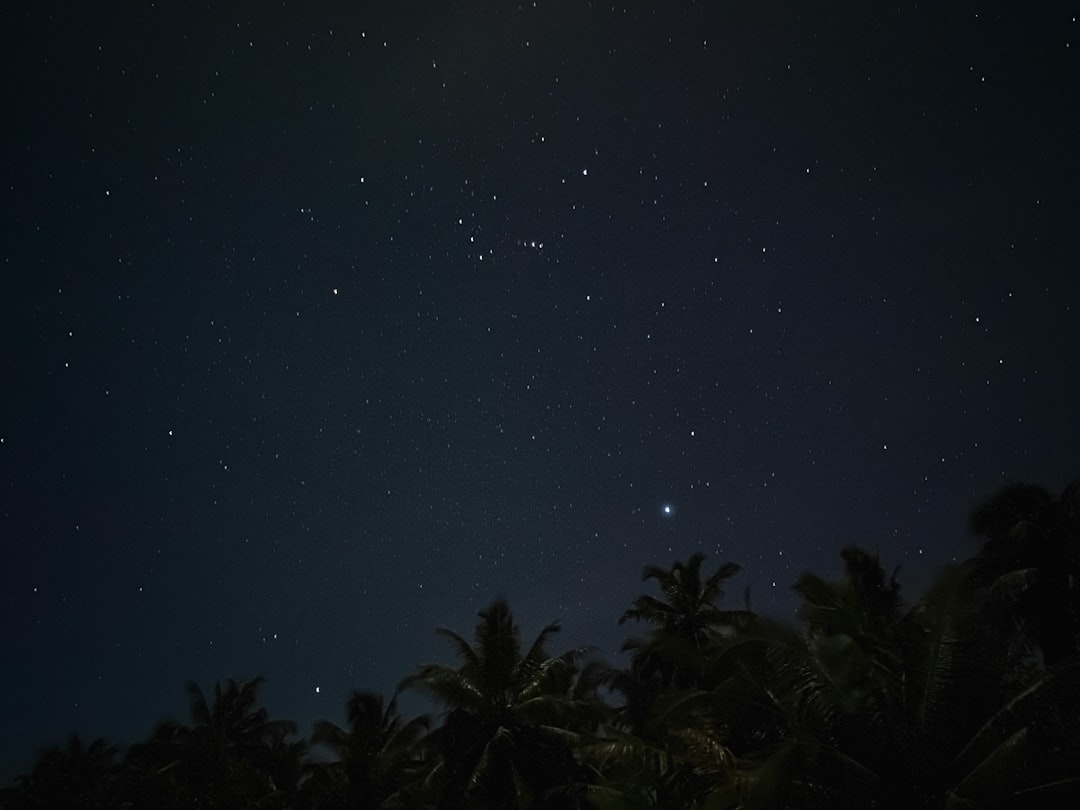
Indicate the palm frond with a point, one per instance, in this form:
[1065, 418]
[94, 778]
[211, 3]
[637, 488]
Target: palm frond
[648, 609]
[462, 647]
[1050, 701]
[530, 668]
[994, 773]
[628, 752]
[450, 687]
[948, 653]
[713, 589]
[199, 708]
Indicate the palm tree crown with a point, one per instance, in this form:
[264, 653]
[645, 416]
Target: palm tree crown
[511, 715]
[691, 606]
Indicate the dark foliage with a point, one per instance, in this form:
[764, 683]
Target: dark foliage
[967, 698]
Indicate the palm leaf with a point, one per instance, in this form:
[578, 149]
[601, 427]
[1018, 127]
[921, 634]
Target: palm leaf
[462, 647]
[450, 687]
[1050, 702]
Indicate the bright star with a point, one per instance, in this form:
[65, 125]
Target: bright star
[668, 510]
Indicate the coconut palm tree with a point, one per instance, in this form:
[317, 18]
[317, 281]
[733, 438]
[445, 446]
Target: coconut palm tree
[925, 708]
[512, 717]
[683, 622]
[1023, 526]
[74, 777]
[677, 758]
[661, 749]
[377, 752]
[855, 627]
[691, 607]
[228, 755]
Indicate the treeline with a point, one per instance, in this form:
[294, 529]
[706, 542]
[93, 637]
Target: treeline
[968, 698]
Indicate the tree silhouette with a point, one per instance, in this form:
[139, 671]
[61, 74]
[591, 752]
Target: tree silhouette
[376, 752]
[923, 708]
[74, 777]
[969, 698]
[228, 756]
[1023, 527]
[660, 750]
[512, 720]
[683, 622]
[854, 626]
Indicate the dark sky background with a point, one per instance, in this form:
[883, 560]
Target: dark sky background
[324, 323]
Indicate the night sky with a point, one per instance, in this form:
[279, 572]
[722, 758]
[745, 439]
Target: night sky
[325, 323]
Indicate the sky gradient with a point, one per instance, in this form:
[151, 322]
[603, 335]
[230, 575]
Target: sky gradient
[325, 323]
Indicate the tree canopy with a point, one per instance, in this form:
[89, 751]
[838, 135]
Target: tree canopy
[967, 697]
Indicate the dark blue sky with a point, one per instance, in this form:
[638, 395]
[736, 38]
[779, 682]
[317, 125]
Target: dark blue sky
[324, 323]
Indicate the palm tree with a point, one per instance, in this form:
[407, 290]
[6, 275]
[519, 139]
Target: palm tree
[662, 750]
[676, 757]
[75, 777]
[998, 725]
[683, 623]
[855, 628]
[228, 756]
[1023, 526]
[512, 718]
[785, 718]
[876, 707]
[376, 752]
[691, 607]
